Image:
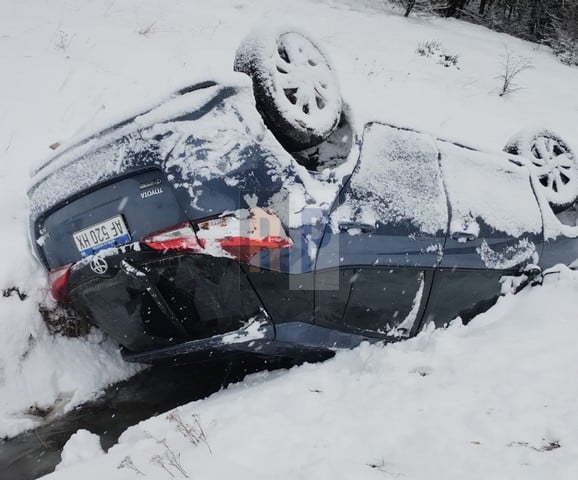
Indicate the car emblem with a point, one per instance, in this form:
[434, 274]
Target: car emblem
[152, 183]
[98, 265]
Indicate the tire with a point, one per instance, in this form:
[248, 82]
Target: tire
[552, 162]
[333, 151]
[296, 89]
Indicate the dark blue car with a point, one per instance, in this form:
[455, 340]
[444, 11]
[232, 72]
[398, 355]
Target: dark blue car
[253, 215]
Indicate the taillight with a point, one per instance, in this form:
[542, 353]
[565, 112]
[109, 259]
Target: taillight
[178, 237]
[244, 248]
[239, 235]
[58, 279]
[244, 233]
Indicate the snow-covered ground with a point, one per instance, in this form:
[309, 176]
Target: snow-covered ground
[489, 400]
[495, 399]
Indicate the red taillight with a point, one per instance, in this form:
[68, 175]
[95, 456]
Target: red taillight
[244, 233]
[244, 248]
[240, 235]
[179, 237]
[58, 279]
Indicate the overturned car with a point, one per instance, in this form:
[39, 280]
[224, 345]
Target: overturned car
[251, 215]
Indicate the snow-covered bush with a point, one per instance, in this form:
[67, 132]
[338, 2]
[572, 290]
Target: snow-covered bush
[434, 49]
[565, 45]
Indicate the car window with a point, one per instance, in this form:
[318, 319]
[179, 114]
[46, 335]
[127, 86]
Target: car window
[373, 301]
[487, 188]
[397, 181]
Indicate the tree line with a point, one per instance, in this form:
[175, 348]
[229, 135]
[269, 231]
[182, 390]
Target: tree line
[550, 22]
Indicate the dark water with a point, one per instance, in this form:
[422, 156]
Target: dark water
[153, 391]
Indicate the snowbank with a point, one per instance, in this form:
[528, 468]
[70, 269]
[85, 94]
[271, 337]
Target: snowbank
[495, 399]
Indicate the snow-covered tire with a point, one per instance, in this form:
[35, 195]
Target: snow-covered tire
[296, 89]
[552, 162]
[334, 150]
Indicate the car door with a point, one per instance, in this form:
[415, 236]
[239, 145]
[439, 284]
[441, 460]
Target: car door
[385, 236]
[495, 230]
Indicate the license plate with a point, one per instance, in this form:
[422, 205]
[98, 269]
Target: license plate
[102, 235]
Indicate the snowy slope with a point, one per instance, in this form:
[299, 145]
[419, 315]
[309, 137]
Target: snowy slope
[71, 65]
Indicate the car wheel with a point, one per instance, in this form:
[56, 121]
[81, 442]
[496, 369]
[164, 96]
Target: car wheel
[552, 162]
[334, 150]
[296, 89]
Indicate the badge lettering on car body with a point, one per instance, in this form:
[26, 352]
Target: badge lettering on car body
[152, 192]
[152, 183]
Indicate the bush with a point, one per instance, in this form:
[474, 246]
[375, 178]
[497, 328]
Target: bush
[564, 42]
[434, 49]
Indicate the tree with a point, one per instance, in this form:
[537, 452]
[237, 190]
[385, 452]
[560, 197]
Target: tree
[550, 22]
[513, 66]
[431, 7]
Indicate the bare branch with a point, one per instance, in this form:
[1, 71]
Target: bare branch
[513, 65]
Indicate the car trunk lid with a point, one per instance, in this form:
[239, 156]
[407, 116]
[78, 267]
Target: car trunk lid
[109, 215]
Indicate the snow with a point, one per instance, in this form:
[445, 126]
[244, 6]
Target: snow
[96, 159]
[253, 330]
[540, 155]
[225, 143]
[490, 400]
[397, 179]
[553, 226]
[404, 329]
[53, 374]
[476, 183]
[167, 107]
[516, 254]
[80, 447]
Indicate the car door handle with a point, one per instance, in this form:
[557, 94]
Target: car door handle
[364, 227]
[464, 236]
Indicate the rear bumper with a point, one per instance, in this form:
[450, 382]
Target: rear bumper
[147, 300]
[188, 307]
